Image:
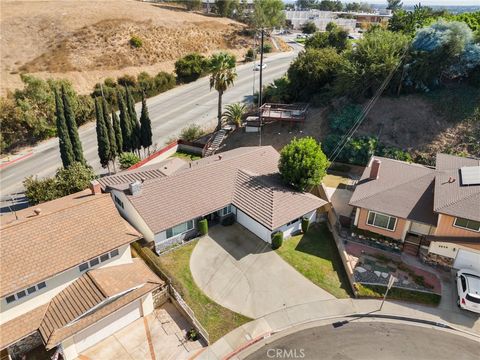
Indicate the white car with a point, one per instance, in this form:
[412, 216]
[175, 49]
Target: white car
[468, 286]
[257, 67]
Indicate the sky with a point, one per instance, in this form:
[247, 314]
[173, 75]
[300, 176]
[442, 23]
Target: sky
[440, 2]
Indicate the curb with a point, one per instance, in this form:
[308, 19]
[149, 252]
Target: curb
[23, 157]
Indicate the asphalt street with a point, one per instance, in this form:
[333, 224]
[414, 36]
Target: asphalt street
[170, 112]
[372, 341]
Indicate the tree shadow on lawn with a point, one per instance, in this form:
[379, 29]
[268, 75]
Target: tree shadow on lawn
[319, 242]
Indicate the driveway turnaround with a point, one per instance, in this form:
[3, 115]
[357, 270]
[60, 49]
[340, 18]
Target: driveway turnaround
[241, 272]
[370, 340]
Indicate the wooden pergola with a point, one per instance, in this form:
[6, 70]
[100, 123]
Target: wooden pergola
[283, 112]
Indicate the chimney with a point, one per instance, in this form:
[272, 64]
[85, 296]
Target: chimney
[37, 211]
[135, 187]
[375, 169]
[95, 187]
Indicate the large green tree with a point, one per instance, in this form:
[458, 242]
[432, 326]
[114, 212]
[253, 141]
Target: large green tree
[268, 14]
[118, 131]
[313, 71]
[112, 151]
[125, 123]
[302, 163]
[145, 126]
[102, 135]
[334, 37]
[394, 5]
[66, 150]
[223, 74]
[72, 127]
[191, 67]
[135, 140]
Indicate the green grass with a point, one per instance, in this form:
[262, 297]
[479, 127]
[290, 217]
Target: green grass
[334, 181]
[300, 40]
[377, 291]
[315, 256]
[216, 319]
[187, 156]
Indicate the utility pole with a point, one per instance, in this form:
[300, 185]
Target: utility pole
[260, 89]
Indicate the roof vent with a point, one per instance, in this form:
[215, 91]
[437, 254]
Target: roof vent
[135, 187]
[37, 211]
[142, 179]
[451, 180]
[375, 169]
[219, 157]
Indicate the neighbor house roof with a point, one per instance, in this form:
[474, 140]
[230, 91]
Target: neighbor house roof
[95, 295]
[209, 184]
[146, 172]
[401, 189]
[67, 232]
[452, 197]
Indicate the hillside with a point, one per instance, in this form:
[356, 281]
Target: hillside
[85, 41]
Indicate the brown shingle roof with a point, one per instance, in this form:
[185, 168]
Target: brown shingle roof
[451, 196]
[39, 247]
[21, 326]
[148, 172]
[402, 189]
[73, 309]
[211, 183]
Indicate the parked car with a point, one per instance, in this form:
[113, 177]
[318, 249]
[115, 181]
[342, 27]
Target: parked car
[468, 286]
[257, 67]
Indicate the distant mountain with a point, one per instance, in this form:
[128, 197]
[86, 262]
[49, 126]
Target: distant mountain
[454, 9]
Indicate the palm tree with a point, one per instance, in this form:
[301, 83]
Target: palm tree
[234, 113]
[222, 68]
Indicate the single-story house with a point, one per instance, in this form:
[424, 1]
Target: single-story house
[437, 209]
[68, 279]
[244, 182]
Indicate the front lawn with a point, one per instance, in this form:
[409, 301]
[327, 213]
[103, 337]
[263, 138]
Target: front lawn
[216, 319]
[315, 256]
[377, 291]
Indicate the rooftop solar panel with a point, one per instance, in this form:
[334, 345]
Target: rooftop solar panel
[470, 175]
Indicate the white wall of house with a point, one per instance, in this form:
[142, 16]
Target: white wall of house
[467, 259]
[443, 248]
[288, 230]
[131, 215]
[405, 229]
[54, 285]
[255, 227]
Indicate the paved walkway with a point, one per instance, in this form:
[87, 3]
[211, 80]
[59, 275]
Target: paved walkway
[239, 271]
[303, 313]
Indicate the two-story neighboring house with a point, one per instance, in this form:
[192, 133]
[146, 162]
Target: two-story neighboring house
[67, 276]
[437, 208]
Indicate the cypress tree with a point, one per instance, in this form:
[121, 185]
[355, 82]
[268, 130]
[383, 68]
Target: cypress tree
[102, 135]
[110, 131]
[118, 132]
[72, 128]
[135, 125]
[124, 124]
[145, 125]
[66, 151]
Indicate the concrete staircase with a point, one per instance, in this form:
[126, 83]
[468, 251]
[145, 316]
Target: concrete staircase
[215, 143]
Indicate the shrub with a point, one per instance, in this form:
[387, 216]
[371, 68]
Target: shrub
[267, 48]
[203, 227]
[192, 334]
[305, 225]
[228, 220]
[127, 80]
[191, 132]
[135, 41]
[67, 181]
[250, 55]
[277, 240]
[191, 67]
[127, 160]
[341, 121]
[309, 27]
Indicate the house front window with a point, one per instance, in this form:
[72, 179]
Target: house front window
[226, 210]
[467, 224]
[180, 229]
[382, 221]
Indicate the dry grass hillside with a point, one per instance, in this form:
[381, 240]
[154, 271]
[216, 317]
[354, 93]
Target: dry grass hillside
[86, 41]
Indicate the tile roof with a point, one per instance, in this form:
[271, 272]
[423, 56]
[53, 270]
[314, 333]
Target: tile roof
[67, 232]
[402, 189]
[147, 172]
[21, 326]
[211, 183]
[451, 196]
[93, 296]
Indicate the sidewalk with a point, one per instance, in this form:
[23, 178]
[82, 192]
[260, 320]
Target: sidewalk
[295, 315]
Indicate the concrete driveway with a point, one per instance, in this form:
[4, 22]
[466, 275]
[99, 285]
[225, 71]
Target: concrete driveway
[238, 270]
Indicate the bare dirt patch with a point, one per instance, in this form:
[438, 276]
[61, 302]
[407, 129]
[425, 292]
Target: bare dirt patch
[86, 41]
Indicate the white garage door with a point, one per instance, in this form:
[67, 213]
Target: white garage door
[467, 260]
[259, 230]
[106, 327]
